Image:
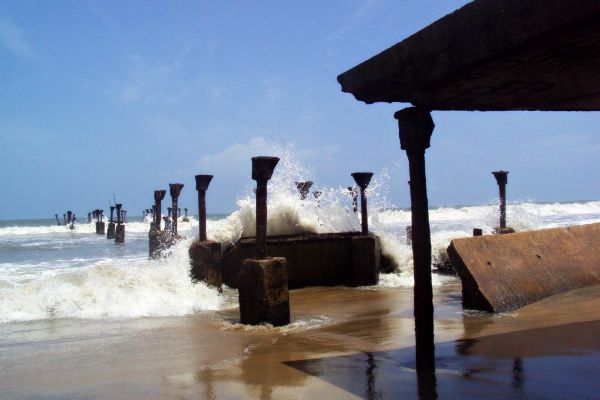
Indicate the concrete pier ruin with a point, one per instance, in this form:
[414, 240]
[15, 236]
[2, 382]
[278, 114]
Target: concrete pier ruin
[110, 230]
[120, 229]
[263, 281]
[205, 255]
[505, 272]
[100, 226]
[155, 235]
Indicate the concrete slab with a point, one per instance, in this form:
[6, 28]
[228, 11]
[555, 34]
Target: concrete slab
[505, 272]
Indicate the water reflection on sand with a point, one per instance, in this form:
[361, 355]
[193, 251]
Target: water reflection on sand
[344, 343]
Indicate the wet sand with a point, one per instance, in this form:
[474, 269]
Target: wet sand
[343, 343]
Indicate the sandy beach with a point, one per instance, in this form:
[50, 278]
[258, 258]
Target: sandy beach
[342, 343]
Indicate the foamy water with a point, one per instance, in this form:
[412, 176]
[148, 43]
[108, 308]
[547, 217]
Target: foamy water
[49, 271]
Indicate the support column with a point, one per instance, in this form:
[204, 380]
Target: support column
[110, 231]
[502, 180]
[175, 190]
[263, 281]
[202, 182]
[363, 179]
[415, 127]
[120, 229]
[204, 254]
[155, 235]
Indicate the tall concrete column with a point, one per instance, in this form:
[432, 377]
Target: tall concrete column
[202, 182]
[175, 190]
[415, 127]
[502, 180]
[262, 170]
[363, 179]
[158, 196]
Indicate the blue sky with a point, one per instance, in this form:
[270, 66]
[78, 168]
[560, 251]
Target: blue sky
[103, 97]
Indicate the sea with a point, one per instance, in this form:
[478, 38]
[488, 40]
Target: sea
[84, 317]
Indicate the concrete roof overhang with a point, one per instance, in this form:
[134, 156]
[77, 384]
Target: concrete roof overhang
[492, 55]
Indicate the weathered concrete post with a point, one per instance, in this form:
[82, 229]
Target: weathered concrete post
[154, 235]
[354, 195]
[502, 180]
[120, 230]
[303, 187]
[363, 179]
[175, 190]
[204, 254]
[202, 182]
[263, 281]
[57, 221]
[99, 222]
[185, 217]
[110, 230]
[415, 127]
[69, 216]
[365, 248]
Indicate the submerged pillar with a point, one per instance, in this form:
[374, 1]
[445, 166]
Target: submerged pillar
[263, 281]
[57, 221]
[100, 227]
[304, 187]
[204, 254]
[363, 179]
[415, 127]
[120, 229]
[110, 231]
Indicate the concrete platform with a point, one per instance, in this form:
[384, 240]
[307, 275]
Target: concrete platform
[505, 272]
[331, 259]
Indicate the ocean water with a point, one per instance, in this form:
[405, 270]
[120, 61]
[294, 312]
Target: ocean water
[51, 272]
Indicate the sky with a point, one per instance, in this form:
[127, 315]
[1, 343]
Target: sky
[123, 97]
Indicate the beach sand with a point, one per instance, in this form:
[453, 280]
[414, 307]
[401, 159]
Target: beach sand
[344, 343]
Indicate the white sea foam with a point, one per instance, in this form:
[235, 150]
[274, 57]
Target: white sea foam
[109, 288]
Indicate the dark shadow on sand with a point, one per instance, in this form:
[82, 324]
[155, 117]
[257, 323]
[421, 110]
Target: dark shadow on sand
[559, 362]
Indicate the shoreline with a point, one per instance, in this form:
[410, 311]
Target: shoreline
[335, 333]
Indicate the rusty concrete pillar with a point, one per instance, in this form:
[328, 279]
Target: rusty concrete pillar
[354, 196]
[120, 228]
[477, 232]
[415, 128]
[303, 187]
[158, 196]
[202, 182]
[262, 170]
[110, 230]
[185, 217]
[57, 221]
[100, 227]
[69, 216]
[502, 180]
[263, 281]
[363, 179]
[175, 190]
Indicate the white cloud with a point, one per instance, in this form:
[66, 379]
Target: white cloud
[11, 39]
[236, 155]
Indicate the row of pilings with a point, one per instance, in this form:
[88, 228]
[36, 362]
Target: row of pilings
[162, 238]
